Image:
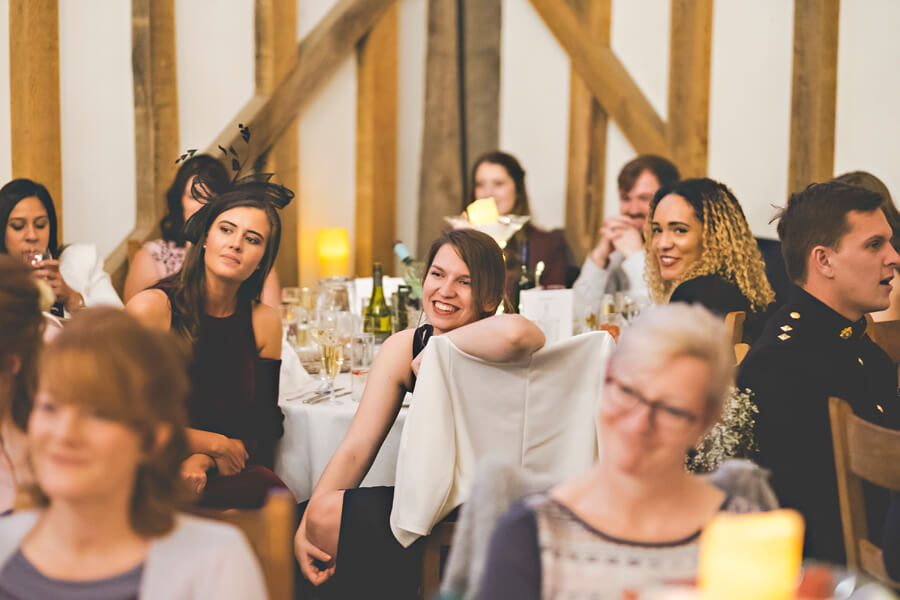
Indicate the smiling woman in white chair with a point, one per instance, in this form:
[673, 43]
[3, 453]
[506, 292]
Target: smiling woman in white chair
[635, 517]
[344, 537]
[106, 436]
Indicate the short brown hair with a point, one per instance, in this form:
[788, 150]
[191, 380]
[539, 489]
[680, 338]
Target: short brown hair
[485, 261]
[21, 327]
[663, 169]
[867, 180]
[107, 360]
[817, 216]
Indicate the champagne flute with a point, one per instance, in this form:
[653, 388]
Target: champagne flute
[326, 333]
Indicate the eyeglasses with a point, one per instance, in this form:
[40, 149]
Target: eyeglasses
[664, 416]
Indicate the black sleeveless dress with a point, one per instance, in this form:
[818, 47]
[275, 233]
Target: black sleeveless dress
[371, 563]
[235, 393]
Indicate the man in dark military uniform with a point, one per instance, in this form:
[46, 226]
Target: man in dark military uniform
[836, 244]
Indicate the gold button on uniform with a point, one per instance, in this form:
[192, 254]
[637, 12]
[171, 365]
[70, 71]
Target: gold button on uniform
[784, 337]
[861, 363]
[786, 328]
[878, 406]
[795, 315]
[846, 332]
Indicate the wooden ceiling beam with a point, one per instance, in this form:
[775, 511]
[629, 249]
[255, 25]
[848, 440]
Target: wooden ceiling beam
[318, 56]
[606, 77]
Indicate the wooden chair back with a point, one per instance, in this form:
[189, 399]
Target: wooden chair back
[435, 544]
[862, 451]
[740, 351]
[270, 531]
[735, 323]
[886, 334]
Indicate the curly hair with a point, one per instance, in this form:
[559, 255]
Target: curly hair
[728, 247]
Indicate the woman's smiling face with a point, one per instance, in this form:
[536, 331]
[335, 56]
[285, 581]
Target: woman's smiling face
[447, 292]
[677, 236]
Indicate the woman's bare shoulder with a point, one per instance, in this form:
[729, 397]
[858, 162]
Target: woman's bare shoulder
[152, 308]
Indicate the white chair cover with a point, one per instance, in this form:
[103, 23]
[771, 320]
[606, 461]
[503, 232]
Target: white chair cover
[537, 414]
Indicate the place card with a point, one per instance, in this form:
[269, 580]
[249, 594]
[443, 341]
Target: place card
[551, 310]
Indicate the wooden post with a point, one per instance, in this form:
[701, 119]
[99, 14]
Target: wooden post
[587, 142]
[813, 92]
[376, 144]
[607, 78]
[481, 81]
[440, 180]
[34, 95]
[155, 124]
[689, 66]
[276, 47]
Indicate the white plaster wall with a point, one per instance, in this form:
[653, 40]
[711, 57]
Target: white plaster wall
[412, 34]
[96, 121]
[327, 152]
[534, 108]
[867, 134]
[750, 104]
[5, 134]
[215, 50]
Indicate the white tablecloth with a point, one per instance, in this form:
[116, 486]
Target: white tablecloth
[312, 432]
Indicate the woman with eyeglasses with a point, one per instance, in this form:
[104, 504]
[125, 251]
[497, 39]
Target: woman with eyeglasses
[635, 517]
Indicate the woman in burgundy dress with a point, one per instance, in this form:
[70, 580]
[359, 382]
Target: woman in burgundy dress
[214, 303]
[499, 175]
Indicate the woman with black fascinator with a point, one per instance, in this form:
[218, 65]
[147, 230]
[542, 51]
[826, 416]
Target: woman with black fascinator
[214, 304]
[160, 258]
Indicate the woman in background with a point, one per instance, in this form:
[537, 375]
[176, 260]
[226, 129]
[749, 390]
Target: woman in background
[700, 250]
[499, 175]
[214, 304]
[106, 436]
[635, 518]
[74, 272]
[21, 326]
[158, 259]
[345, 530]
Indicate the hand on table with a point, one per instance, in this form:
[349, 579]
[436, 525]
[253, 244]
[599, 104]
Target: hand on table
[193, 471]
[230, 456]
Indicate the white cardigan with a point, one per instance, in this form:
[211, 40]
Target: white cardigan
[198, 559]
[82, 269]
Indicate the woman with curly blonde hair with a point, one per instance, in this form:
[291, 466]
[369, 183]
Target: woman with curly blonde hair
[700, 250]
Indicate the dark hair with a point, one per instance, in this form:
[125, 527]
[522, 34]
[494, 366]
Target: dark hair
[663, 169]
[866, 180]
[485, 261]
[21, 327]
[106, 360]
[213, 175]
[817, 216]
[515, 172]
[14, 192]
[189, 299]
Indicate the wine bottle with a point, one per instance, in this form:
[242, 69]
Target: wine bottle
[526, 277]
[412, 275]
[401, 302]
[378, 314]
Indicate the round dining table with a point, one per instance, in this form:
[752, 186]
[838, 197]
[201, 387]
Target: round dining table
[312, 432]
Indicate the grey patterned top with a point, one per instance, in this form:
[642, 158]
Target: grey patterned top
[19, 579]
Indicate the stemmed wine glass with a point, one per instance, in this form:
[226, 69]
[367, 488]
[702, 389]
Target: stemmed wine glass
[331, 330]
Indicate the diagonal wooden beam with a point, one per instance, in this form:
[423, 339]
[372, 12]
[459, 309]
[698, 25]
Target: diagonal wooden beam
[587, 141]
[376, 144]
[34, 96]
[813, 92]
[607, 78]
[319, 54]
[689, 67]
